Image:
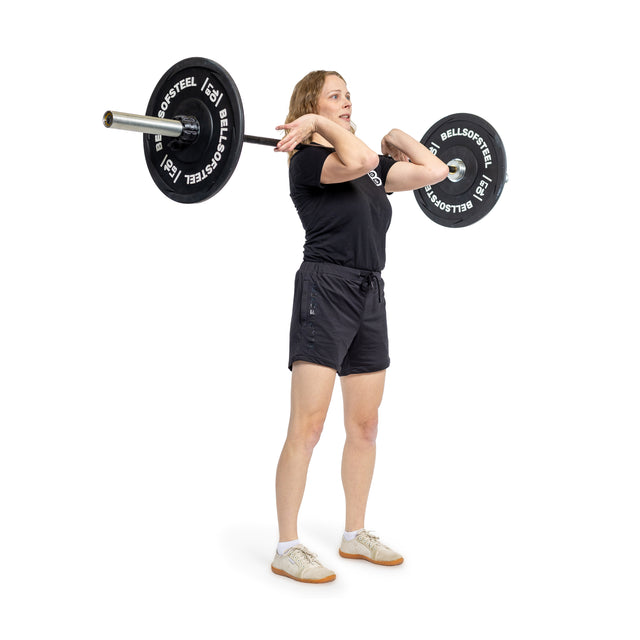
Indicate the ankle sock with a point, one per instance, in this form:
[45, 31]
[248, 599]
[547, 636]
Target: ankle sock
[350, 535]
[283, 547]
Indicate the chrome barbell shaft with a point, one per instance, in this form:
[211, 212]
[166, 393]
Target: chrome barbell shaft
[142, 124]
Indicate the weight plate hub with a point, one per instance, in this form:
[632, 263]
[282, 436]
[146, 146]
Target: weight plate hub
[189, 172]
[476, 143]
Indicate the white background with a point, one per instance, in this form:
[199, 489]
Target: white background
[144, 343]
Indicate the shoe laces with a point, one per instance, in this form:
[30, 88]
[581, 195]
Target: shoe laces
[369, 540]
[303, 557]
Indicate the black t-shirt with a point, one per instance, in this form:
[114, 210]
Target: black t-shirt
[345, 223]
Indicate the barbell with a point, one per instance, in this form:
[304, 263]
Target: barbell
[194, 133]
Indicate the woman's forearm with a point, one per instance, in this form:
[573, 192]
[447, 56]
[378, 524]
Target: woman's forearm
[350, 149]
[416, 152]
[416, 166]
[351, 152]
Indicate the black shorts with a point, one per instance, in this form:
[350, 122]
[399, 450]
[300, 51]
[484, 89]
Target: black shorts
[339, 319]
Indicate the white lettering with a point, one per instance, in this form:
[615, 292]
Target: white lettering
[473, 136]
[173, 91]
[170, 168]
[445, 206]
[212, 92]
[212, 165]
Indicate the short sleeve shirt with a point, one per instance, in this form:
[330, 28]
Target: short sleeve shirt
[344, 223]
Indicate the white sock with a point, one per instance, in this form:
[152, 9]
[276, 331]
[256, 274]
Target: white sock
[283, 547]
[350, 535]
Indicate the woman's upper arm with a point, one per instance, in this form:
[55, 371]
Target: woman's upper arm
[335, 171]
[406, 176]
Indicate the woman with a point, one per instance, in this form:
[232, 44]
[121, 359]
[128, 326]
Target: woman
[339, 187]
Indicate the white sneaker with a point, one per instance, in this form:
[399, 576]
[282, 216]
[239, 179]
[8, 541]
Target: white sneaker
[366, 546]
[300, 564]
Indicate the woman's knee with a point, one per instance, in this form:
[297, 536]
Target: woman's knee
[305, 431]
[363, 428]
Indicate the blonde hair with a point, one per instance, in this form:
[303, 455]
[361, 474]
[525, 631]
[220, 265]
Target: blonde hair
[304, 98]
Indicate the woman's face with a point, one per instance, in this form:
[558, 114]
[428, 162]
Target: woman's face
[334, 101]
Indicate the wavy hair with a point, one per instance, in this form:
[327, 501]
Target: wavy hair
[304, 98]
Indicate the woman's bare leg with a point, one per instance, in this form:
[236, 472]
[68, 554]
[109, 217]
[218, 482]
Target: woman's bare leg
[362, 396]
[311, 390]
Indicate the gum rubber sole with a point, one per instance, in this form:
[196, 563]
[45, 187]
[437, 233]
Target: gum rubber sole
[330, 578]
[384, 563]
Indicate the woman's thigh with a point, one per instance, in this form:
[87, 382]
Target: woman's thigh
[311, 391]
[362, 396]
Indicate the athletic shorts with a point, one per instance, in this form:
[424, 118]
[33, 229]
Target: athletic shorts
[339, 319]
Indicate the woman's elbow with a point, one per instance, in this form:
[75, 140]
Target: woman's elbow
[362, 163]
[438, 173]
[370, 161]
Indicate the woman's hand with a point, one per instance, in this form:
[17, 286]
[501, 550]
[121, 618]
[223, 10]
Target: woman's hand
[390, 149]
[417, 166]
[350, 157]
[299, 131]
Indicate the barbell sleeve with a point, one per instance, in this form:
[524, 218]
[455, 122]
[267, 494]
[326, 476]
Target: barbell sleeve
[142, 124]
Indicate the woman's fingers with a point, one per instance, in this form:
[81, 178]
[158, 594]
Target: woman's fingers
[298, 131]
[289, 142]
[389, 149]
[289, 139]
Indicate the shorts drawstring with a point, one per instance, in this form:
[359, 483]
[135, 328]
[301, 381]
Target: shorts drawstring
[367, 283]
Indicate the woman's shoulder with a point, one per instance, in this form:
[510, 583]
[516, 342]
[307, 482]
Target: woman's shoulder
[313, 148]
[310, 154]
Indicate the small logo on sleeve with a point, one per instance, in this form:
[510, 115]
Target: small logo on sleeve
[374, 177]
